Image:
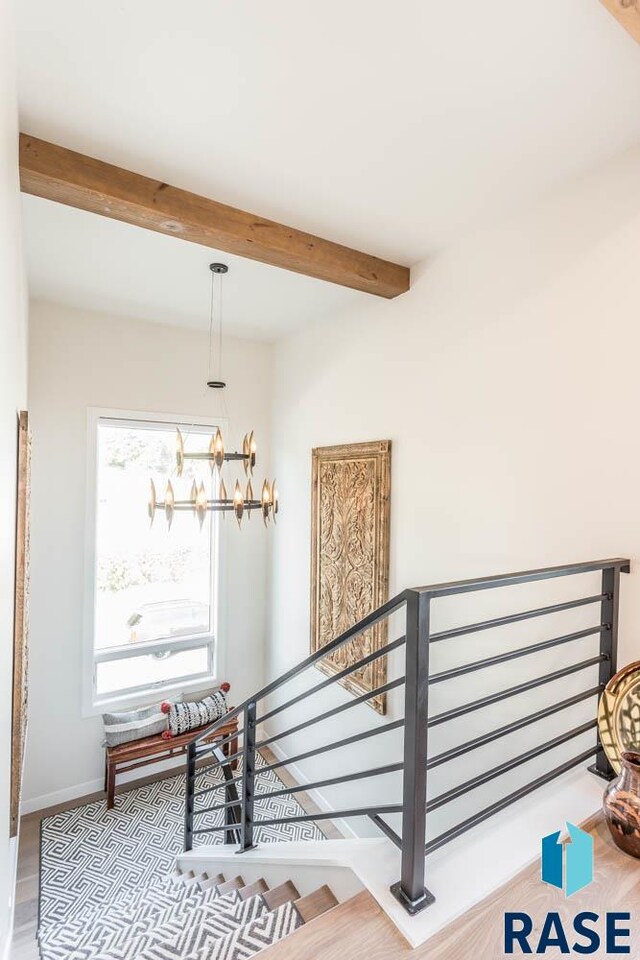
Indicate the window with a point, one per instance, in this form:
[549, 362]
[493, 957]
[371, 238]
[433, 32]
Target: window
[153, 615]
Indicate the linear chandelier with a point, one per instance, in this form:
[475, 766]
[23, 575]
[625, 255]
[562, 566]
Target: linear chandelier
[198, 502]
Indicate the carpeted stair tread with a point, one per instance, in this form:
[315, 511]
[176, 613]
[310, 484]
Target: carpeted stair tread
[153, 897]
[191, 931]
[238, 944]
[246, 941]
[130, 896]
[123, 921]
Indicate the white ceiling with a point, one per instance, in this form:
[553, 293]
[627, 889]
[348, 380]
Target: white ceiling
[389, 127]
[92, 263]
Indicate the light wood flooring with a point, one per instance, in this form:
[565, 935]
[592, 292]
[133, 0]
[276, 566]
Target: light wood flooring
[359, 930]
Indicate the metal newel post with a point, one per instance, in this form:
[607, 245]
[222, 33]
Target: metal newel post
[189, 796]
[231, 813]
[609, 647]
[410, 889]
[248, 776]
[229, 817]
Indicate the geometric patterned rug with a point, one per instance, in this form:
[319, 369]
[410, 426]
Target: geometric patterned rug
[89, 854]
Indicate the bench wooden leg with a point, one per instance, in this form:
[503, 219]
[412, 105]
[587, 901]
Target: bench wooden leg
[233, 744]
[111, 784]
[229, 749]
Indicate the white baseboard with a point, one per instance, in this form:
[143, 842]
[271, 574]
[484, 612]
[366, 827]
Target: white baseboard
[60, 796]
[345, 829]
[6, 953]
[79, 790]
[13, 869]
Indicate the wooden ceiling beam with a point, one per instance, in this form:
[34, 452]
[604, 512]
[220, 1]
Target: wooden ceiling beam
[55, 173]
[627, 12]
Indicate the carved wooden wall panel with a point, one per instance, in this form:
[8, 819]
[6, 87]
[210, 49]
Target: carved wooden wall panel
[350, 556]
[21, 620]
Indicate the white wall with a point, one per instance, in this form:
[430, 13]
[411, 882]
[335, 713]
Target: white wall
[80, 360]
[508, 382]
[13, 381]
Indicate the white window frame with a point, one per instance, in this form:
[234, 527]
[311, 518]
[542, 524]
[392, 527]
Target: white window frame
[92, 704]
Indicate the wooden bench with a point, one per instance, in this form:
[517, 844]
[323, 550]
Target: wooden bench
[139, 753]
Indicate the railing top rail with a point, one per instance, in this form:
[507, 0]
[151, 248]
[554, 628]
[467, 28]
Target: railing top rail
[372, 618]
[527, 576]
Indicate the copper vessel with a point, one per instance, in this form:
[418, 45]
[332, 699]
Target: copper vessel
[622, 805]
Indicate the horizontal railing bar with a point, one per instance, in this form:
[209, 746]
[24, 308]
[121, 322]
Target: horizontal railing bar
[227, 760]
[370, 620]
[456, 712]
[218, 786]
[515, 618]
[394, 725]
[515, 654]
[504, 802]
[330, 815]
[219, 743]
[486, 738]
[310, 818]
[219, 806]
[333, 781]
[385, 688]
[508, 765]
[222, 826]
[386, 829]
[335, 678]
[451, 795]
[527, 576]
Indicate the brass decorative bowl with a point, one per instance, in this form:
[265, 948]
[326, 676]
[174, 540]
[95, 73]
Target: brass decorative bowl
[619, 715]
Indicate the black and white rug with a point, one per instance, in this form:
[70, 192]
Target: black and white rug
[88, 854]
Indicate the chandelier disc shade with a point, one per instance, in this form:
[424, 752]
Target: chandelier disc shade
[198, 503]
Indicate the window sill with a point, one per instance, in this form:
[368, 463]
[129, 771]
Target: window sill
[144, 698]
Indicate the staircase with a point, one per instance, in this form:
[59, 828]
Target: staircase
[184, 916]
[569, 668]
[197, 914]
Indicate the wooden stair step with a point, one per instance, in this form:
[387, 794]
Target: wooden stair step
[285, 893]
[315, 904]
[236, 884]
[253, 889]
[212, 882]
[358, 929]
[197, 878]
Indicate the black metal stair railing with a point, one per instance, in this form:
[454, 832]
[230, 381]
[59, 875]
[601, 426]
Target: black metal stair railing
[417, 639]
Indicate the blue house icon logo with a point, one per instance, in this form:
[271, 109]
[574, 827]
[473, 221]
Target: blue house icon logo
[568, 866]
